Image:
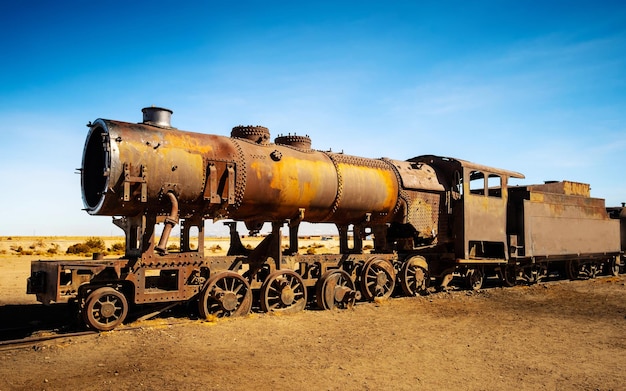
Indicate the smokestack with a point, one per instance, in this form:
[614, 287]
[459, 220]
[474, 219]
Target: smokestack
[157, 116]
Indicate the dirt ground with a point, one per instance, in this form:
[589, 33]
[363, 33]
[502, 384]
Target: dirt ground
[558, 335]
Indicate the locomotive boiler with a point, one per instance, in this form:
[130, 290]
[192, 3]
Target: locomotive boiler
[432, 219]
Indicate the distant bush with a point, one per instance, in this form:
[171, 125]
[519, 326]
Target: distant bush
[173, 247]
[78, 248]
[54, 249]
[91, 245]
[215, 248]
[117, 248]
[95, 243]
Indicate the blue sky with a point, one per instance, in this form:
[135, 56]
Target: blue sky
[534, 87]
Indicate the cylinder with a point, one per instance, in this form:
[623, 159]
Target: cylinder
[128, 169]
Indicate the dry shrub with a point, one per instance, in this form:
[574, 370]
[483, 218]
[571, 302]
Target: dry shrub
[117, 248]
[19, 250]
[91, 245]
[54, 249]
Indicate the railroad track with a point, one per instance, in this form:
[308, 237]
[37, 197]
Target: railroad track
[30, 341]
[53, 329]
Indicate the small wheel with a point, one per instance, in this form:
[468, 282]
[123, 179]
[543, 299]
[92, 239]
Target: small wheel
[542, 272]
[414, 277]
[613, 267]
[474, 278]
[283, 291]
[378, 279]
[509, 275]
[572, 269]
[588, 270]
[226, 294]
[335, 289]
[535, 273]
[105, 309]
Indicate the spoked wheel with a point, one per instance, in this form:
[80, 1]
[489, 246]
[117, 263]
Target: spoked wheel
[226, 294]
[588, 270]
[378, 279]
[509, 275]
[414, 277]
[105, 309]
[335, 289]
[474, 278]
[534, 274]
[283, 291]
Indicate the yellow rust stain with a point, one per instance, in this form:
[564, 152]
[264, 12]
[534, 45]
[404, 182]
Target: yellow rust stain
[378, 188]
[295, 182]
[300, 181]
[480, 202]
[192, 142]
[575, 188]
[556, 209]
[259, 168]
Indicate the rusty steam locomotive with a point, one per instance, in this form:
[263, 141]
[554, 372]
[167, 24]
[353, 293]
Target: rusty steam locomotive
[431, 218]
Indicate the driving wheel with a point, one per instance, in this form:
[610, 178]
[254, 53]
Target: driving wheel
[283, 291]
[226, 294]
[335, 289]
[378, 279]
[414, 277]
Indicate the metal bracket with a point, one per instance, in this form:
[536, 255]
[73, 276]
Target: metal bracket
[129, 179]
[212, 191]
[214, 198]
[230, 168]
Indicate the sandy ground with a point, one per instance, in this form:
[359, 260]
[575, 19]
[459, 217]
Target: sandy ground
[559, 335]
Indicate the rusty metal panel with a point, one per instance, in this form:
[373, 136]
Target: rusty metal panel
[418, 176]
[563, 187]
[448, 165]
[426, 215]
[44, 281]
[619, 214]
[279, 181]
[559, 224]
[485, 218]
[367, 186]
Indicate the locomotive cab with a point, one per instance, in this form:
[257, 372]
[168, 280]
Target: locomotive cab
[477, 200]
